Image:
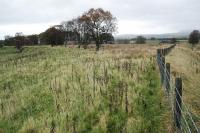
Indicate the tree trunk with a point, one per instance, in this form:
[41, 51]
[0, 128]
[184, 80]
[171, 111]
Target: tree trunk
[97, 45]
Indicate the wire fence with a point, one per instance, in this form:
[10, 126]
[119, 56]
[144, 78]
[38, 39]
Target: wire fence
[181, 115]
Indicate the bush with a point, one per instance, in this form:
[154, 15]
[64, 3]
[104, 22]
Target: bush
[194, 38]
[173, 41]
[1, 45]
[140, 40]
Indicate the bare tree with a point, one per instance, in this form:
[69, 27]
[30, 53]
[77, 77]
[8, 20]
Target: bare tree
[84, 32]
[19, 41]
[68, 25]
[71, 29]
[96, 22]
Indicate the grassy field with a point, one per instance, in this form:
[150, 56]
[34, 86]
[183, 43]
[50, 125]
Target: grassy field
[186, 64]
[59, 89]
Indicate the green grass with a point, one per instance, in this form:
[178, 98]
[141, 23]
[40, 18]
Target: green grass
[59, 89]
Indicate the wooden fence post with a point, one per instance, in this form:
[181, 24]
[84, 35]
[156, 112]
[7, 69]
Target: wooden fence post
[163, 69]
[158, 52]
[167, 78]
[162, 52]
[178, 102]
[158, 56]
[159, 60]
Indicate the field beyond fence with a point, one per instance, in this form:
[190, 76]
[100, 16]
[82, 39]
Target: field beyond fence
[181, 115]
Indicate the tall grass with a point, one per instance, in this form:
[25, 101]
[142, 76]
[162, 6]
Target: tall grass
[186, 64]
[61, 90]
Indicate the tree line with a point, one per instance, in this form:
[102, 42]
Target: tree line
[95, 25]
[26, 40]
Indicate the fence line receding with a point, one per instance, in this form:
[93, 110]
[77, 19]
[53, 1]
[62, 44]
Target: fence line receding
[182, 117]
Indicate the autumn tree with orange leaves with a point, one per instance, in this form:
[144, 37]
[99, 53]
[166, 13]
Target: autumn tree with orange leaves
[96, 22]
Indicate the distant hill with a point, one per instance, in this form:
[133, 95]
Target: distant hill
[182, 34]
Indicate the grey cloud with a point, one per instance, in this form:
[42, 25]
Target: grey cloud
[178, 14]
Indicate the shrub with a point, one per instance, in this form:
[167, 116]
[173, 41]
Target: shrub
[140, 40]
[194, 38]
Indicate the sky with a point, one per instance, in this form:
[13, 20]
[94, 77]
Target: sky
[133, 16]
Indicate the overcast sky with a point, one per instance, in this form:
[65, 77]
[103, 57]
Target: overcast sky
[134, 16]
